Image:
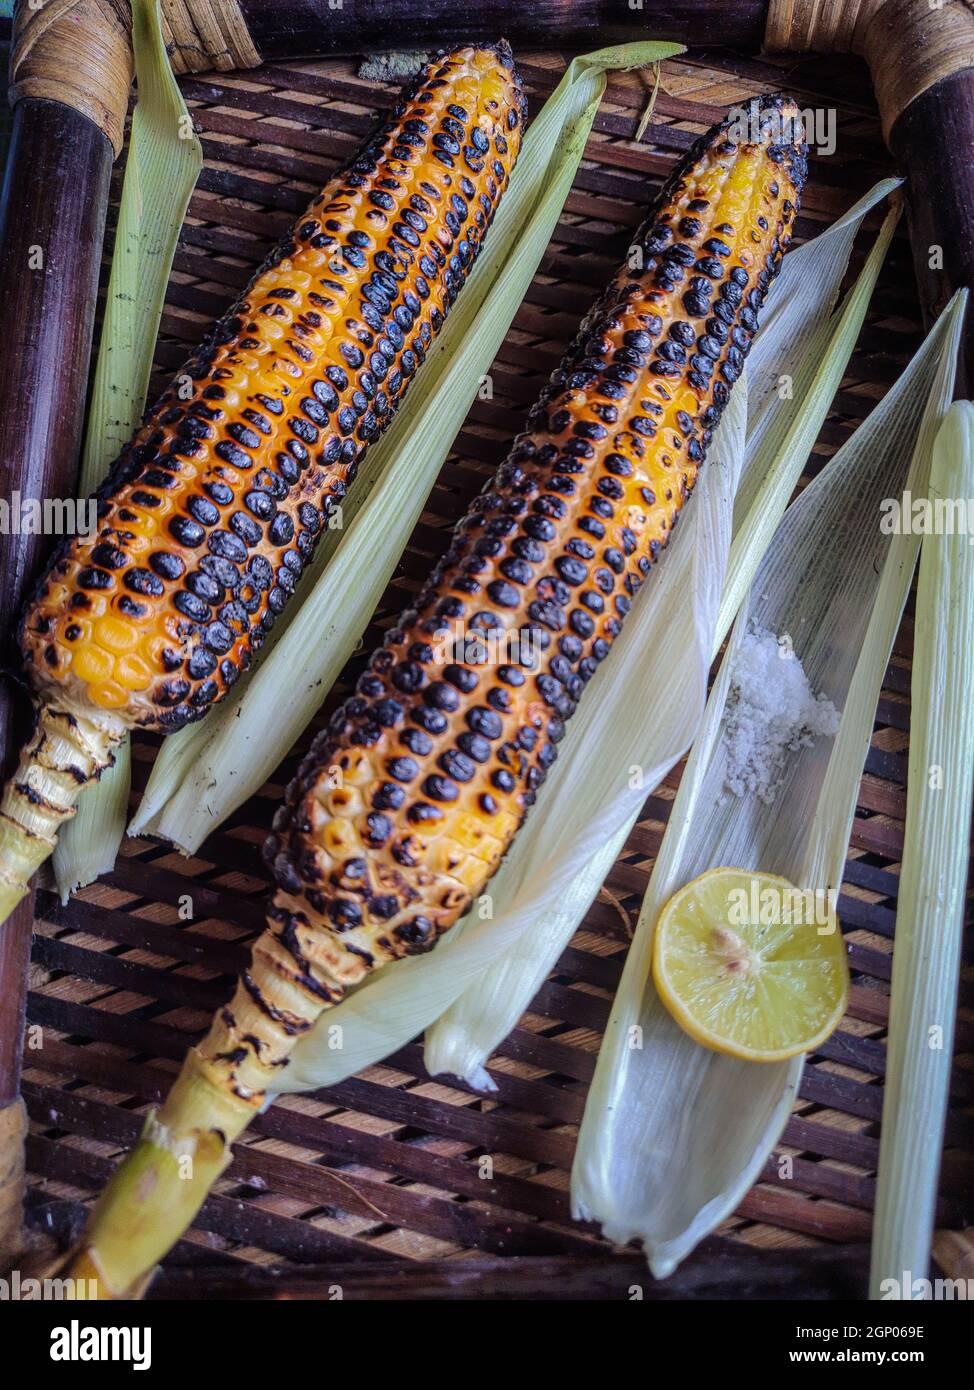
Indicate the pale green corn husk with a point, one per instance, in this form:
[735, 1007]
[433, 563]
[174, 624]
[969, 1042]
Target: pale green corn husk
[609, 761]
[814, 344]
[205, 772]
[674, 1134]
[164, 161]
[933, 880]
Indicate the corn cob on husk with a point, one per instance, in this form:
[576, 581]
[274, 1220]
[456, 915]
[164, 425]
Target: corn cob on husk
[407, 802]
[212, 512]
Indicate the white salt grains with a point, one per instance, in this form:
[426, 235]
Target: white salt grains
[771, 710]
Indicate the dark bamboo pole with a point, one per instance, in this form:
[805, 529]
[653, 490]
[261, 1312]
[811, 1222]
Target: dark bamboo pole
[920, 56]
[934, 141]
[70, 73]
[286, 28]
[52, 223]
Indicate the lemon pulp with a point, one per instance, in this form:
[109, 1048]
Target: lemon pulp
[750, 965]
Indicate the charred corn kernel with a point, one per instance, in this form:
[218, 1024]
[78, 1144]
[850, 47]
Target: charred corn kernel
[547, 563]
[214, 509]
[344, 801]
[216, 506]
[75, 630]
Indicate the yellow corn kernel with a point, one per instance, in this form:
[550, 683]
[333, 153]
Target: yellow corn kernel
[444, 856]
[344, 801]
[92, 664]
[97, 605]
[356, 767]
[145, 524]
[60, 594]
[132, 672]
[116, 635]
[108, 695]
[339, 838]
[153, 646]
[470, 873]
[467, 831]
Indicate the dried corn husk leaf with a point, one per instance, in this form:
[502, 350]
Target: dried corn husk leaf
[933, 882]
[674, 1134]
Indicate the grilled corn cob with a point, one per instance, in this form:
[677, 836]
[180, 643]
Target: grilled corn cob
[408, 800]
[213, 510]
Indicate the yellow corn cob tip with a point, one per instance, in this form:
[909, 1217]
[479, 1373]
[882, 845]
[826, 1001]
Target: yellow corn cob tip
[213, 511]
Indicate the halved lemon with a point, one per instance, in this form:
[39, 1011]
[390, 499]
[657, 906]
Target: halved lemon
[750, 965]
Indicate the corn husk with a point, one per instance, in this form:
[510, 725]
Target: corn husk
[206, 772]
[697, 590]
[674, 1134]
[163, 164]
[932, 886]
[607, 765]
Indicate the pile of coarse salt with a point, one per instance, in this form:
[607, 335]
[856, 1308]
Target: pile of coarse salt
[770, 711]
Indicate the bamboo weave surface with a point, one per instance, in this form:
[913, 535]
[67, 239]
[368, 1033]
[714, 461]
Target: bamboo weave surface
[375, 1184]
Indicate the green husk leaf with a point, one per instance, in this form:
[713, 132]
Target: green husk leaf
[206, 772]
[806, 345]
[164, 161]
[673, 1134]
[933, 880]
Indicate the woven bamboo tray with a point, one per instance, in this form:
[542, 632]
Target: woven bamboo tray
[375, 1185]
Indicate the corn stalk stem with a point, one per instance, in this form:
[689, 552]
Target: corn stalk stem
[154, 1195]
[296, 973]
[66, 754]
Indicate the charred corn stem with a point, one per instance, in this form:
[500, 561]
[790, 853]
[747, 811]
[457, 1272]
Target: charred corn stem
[67, 752]
[407, 802]
[212, 512]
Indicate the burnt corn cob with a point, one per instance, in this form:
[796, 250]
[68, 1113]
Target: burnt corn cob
[407, 802]
[213, 510]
